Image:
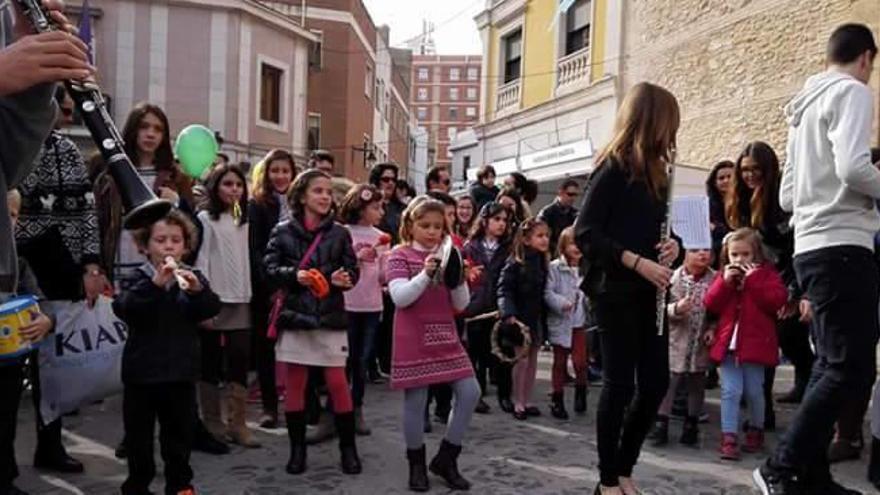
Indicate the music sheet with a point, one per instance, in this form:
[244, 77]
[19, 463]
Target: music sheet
[690, 221]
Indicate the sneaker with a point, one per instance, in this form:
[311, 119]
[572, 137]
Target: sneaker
[729, 449]
[754, 441]
[772, 482]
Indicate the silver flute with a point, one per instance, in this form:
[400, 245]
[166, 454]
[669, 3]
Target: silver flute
[141, 205]
[665, 232]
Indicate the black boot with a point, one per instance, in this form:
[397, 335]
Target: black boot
[445, 465]
[659, 436]
[874, 463]
[418, 472]
[296, 433]
[351, 463]
[557, 407]
[580, 399]
[769, 417]
[690, 431]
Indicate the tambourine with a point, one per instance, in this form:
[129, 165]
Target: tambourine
[450, 272]
[511, 341]
[318, 284]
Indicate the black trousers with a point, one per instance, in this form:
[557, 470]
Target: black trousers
[264, 357]
[385, 334]
[842, 284]
[479, 334]
[225, 356]
[48, 434]
[11, 376]
[173, 406]
[794, 340]
[635, 369]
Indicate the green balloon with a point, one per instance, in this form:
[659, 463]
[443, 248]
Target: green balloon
[196, 149]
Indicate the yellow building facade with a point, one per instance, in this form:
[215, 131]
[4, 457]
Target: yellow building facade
[549, 88]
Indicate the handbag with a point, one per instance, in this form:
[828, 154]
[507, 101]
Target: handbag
[280, 294]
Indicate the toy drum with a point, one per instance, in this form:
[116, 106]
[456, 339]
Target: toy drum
[14, 314]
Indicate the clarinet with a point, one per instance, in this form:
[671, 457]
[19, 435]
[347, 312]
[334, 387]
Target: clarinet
[665, 231]
[140, 204]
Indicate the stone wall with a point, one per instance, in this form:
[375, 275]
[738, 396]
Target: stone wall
[733, 64]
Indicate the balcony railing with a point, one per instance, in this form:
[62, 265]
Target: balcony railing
[572, 70]
[508, 96]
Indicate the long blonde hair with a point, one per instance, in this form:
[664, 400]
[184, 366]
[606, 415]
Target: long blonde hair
[644, 137]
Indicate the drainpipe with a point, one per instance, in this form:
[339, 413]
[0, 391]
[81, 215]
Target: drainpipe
[303, 10]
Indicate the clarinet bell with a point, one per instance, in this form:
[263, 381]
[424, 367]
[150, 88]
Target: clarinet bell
[140, 204]
[146, 213]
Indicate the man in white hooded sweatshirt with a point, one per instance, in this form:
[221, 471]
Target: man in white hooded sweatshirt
[830, 186]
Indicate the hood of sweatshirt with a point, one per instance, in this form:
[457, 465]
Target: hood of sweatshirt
[815, 87]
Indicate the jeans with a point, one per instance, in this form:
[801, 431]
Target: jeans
[362, 329]
[736, 379]
[635, 369]
[841, 282]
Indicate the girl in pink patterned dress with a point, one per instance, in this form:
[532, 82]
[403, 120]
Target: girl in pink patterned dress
[426, 348]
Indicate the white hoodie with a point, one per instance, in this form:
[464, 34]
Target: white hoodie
[829, 183]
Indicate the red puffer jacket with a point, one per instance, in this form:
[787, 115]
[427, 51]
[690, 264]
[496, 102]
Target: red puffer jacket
[754, 308]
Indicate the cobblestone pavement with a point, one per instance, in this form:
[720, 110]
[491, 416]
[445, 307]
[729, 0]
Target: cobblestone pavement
[501, 456]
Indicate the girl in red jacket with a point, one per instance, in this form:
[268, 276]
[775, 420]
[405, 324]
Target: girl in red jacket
[745, 296]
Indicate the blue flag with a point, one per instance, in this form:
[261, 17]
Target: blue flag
[85, 28]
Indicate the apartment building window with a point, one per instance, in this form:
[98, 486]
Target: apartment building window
[422, 113]
[512, 56]
[471, 111]
[453, 113]
[472, 93]
[316, 52]
[577, 27]
[423, 73]
[466, 164]
[473, 73]
[314, 131]
[423, 94]
[454, 74]
[368, 82]
[451, 131]
[453, 93]
[270, 93]
[380, 90]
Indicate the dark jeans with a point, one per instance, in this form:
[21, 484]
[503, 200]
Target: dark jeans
[842, 285]
[479, 335]
[264, 348]
[11, 376]
[173, 406]
[361, 343]
[794, 340]
[635, 370]
[225, 356]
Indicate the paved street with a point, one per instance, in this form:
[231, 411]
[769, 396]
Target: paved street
[502, 456]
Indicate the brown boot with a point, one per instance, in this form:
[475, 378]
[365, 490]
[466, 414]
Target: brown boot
[212, 415]
[237, 431]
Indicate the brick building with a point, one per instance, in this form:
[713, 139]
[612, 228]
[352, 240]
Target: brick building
[445, 99]
[352, 91]
[734, 65]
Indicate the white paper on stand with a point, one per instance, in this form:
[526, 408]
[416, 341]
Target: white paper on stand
[690, 221]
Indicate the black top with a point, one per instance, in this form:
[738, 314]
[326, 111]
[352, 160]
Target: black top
[482, 195]
[521, 291]
[390, 223]
[618, 214]
[163, 333]
[483, 294]
[287, 247]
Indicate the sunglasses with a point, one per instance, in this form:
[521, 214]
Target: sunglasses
[66, 111]
[571, 194]
[387, 179]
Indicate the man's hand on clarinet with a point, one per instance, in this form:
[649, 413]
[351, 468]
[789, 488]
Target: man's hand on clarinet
[43, 58]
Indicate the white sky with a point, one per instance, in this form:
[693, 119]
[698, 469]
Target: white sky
[455, 32]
